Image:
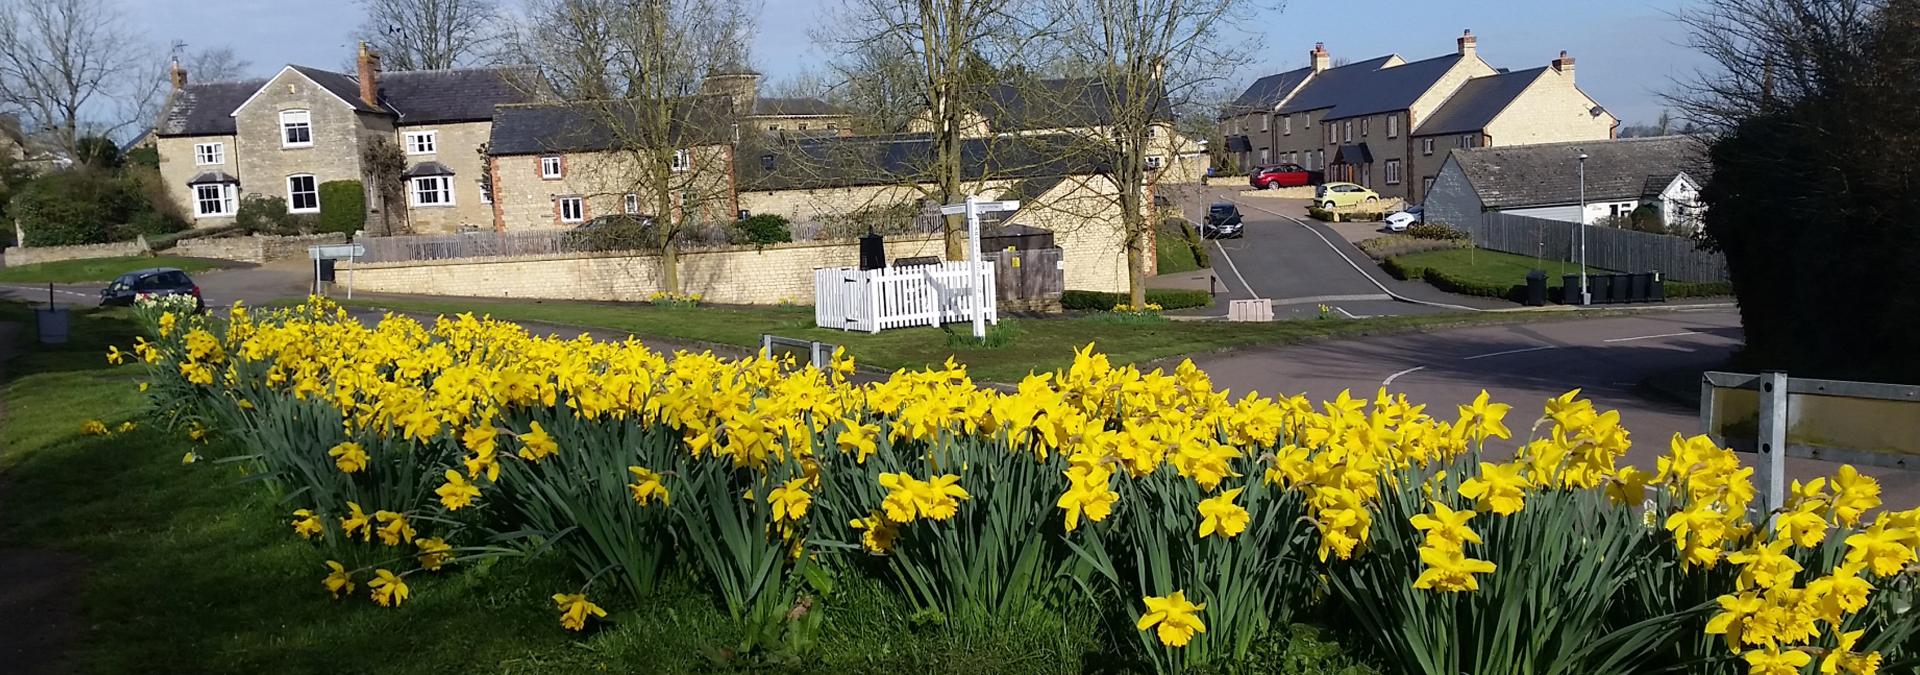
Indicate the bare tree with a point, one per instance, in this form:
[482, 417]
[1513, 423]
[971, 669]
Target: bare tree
[216, 64]
[72, 67]
[430, 34]
[633, 70]
[1146, 56]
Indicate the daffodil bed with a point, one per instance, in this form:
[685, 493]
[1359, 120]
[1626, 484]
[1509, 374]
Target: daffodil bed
[1193, 522]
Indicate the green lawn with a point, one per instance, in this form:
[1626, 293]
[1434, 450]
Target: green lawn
[191, 570]
[96, 269]
[1490, 267]
[1174, 251]
[1037, 344]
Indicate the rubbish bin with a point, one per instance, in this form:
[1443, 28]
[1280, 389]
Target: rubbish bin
[1657, 289]
[1641, 280]
[53, 324]
[1601, 288]
[326, 269]
[1622, 285]
[1570, 289]
[1536, 288]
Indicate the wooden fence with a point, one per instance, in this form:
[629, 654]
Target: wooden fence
[898, 297]
[1029, 280]
[1675, 258]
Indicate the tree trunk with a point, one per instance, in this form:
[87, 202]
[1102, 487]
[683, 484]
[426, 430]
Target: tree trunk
[1135, 225]
[670, 266]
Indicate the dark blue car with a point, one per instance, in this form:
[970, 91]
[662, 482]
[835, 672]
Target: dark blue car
[121, 292]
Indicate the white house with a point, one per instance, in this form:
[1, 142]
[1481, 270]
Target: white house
[1544, 181]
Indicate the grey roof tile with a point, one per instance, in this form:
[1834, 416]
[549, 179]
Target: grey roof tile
[427, 169]
[783, 107]
[1330, 86]
[1370, 92]
[415, 97]
[1057, 103]
[1267, 92]
[205, 109]
[206, 177]
[907, 158]
[1549, 174]
[588, 126]
[345, 86]
[1478, 102]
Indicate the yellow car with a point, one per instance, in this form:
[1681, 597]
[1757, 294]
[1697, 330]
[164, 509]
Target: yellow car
[1330, 195]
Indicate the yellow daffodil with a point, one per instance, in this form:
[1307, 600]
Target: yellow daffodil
[790, 500]
[1772, 661]
[1484, 419]
[356, 521]
[1842, 659]
[1220, 515]
[1449, 570]
[434, 553]
[574, 610]
[394, 529]
[389, 589]
[306, 524]
[1499, 488]
[876, 533]
[1178, 619]
[536, 445]
[646, 487]
[1089, 494]
[457, 492]
[1445, 527]
[349, 456]
[338, 581]
[859, 440]
[93, 428]
[1883, 549]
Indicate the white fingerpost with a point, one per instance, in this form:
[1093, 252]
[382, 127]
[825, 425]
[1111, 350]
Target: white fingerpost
[973, 207]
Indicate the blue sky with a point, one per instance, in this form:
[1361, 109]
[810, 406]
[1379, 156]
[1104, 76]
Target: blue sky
[1628, 52]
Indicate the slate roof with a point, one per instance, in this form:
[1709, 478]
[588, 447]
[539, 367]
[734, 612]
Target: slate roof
[414, 97]
[427, 169]
[1548, 174]
[533, 129]
[1239, 144]
[1266, 93]
[206, 177]
[1327, 88]
[1478, 102]
[1056, 103]
[795, 107]
[1369, 92]
[905, 159]
[1353, 154]
[465, 95]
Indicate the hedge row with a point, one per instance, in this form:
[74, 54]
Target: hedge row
[1164, 297]
[1518, 292]
[1383, 248]
[1324, 215]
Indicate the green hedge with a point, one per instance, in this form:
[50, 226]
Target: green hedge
[1324, 215]
[343, 206]
[1164, 297]
[1382, 248]
[1698, 289]
[765, 228]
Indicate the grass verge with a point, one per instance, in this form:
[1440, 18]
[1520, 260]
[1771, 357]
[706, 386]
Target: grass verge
[97, 269]
[1040, 345]
[1472, 271]
[191, 570]
[1178, 248]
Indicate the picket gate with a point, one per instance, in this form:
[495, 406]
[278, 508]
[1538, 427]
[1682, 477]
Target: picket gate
[897, 297]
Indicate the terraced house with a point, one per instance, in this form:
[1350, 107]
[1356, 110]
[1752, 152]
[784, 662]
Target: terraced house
[1388, 123]
[287, 135]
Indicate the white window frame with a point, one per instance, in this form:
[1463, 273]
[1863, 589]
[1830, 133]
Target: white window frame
[1426, 187]
[1263, 156]
[422, 142]
[291, 192]
[1155, 162]
[1153, 131]
[552, 168]
[486, 191]
[1347, 130]
[682, 160]
[1366, 123]
[802, 126]
[1426, 145]
[1264, 121]
[1286, 125]
[439, 184]
[1393, 126]
[226, 198]
[631, 204]
[773, 127]
[1393, 172]
[296, 119]
[579, 209]
[209, 154]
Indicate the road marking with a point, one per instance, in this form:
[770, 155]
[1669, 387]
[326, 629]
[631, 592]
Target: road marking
[1327, 299]
[1510, 351]
[62, 291]
[1650, 337]
[1343, 310]
[1235, 268]
[1390, 378]
[1356, 266]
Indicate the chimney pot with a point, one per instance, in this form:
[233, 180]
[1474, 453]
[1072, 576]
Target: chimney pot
[1468, 44]
[1319, 57]
[1564, 64]
[179, 75]
[369, 76]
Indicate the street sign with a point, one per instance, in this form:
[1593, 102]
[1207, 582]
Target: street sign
[336, 251]
[973, 207]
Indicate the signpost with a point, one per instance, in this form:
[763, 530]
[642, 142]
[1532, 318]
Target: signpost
[973, 207]
[351, 252]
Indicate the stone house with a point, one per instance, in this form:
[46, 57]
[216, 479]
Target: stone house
[1544, 181]
[1386, 123]
[1077, 106]
[783, 116]
[286, 135]
[558, 165]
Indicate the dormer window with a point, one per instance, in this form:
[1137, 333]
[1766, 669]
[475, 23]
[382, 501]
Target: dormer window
[296, 129]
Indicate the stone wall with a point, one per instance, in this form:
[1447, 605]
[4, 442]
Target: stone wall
[18, 255]
[253, 249]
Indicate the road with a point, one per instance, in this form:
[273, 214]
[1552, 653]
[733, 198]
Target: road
[252, 284]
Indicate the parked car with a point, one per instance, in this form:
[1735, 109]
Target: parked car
[1330, 195]
[121, 292]
[1223, 222]
[1275, 176]
[1399, 222]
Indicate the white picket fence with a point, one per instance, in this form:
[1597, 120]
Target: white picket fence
[897, 297]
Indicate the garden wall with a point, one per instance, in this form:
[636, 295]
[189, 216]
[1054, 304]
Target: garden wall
[21, 255]
[253, 249]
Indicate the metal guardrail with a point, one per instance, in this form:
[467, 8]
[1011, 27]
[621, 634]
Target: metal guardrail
[1775, 389]
[810, 352]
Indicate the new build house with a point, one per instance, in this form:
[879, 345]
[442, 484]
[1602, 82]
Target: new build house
[1387, 123]
[1549, 180]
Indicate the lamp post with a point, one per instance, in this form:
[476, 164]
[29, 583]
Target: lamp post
[1586, 295]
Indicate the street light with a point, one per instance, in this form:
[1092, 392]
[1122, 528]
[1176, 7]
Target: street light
[1586, 295]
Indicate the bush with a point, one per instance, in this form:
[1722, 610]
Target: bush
[149, 224]
[1697, 289]
[67, 208]
[1382, 248]
[1355, 216]
[1166, 298]
[1440, 231]
[764, 229]
[615, 233]
[343, 207]
[261, 214]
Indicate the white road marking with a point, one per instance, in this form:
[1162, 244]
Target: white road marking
[1650, 337]
[1363, 272]
[1510, 351]
[62, 291]
[1343, 310]
[1390, 378]
[1235, 268]
[1326, 299]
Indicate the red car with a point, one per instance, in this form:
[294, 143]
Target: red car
[1282, 175]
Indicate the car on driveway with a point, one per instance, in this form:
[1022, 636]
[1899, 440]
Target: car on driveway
[1331, 195]
[1399, 222]
[1223, 222]
[1275, 176]
[121, 292]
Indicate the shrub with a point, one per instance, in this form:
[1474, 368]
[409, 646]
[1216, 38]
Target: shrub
[97, 152]
[1697, 289]
[343, 207]
[149, 224]
[1440, 231]
[1382, 248]
[72, 207]
[261, 214]
[615, 233]
[1101, 301]
[766, 228]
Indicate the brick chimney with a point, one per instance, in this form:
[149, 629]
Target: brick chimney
[179, 75]
[1468, 45]
[1319, 57]
[369, 76]
[1564, 65]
